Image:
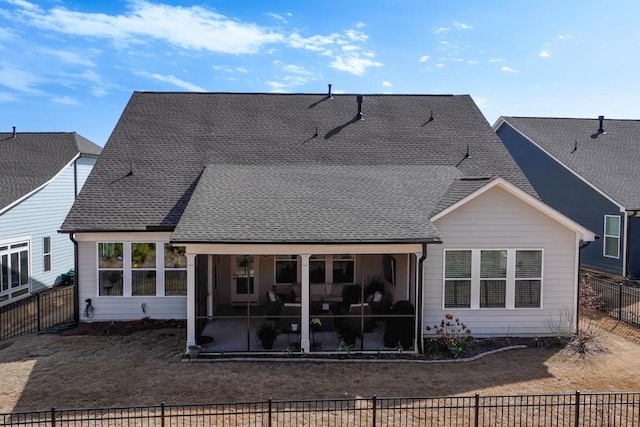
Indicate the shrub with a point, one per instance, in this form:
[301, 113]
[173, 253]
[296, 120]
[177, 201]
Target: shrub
[453, 335]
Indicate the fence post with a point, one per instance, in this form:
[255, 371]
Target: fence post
[162, 414]
[38, 309]
[476, 421]
[375, 404]
[53, 417]
[577, 423]
[270, 402]
[619, 301]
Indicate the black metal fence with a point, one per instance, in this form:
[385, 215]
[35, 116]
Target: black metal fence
[615, 298]
[38, 312]
[577, 409]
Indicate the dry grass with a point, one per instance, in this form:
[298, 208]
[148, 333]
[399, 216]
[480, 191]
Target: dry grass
[39, 372]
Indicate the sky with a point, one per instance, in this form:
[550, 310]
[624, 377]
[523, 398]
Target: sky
[72, 65]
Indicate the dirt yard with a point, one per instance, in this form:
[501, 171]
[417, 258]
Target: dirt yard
[40, 372]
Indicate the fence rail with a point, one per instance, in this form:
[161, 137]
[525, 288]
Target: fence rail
[38, 312]
[615, 298]
[577, 409]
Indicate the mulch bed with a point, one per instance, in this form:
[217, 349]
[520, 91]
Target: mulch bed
[121, 328]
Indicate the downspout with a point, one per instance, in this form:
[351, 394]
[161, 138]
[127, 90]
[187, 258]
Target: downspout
[419, 312]
[628, 245]
[76, 293]
[580, 248]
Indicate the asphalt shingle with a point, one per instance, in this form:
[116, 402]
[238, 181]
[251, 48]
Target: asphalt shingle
[163, 141]
[608, 161]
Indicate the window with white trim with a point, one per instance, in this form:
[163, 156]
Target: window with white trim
[143, 269]
[611, 242]
[286, 269]
[492, 278]
[46, 253]
[457, 279]
[110, 269]
[14, 269]
[317, 269]
[175, 270]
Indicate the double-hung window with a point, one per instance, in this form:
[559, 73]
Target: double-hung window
[343, 268]
[612, 236]
[175, 270]
[317, 270]
[457, 279]
[110, 269]
[286, 268]
[492, 278]
[143, 269]
[46, 253]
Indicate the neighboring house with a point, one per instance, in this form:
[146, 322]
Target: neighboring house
[233, 209]
[588, 170]
[40, 176]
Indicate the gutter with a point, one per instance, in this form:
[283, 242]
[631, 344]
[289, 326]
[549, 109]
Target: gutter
[580, 248]
[419, 313]
[76, 292]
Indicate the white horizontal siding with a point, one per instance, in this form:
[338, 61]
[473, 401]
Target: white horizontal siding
[41, 215]
[120, 308]
[497, 219]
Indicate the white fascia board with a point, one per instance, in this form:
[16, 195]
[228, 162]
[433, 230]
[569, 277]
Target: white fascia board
[585, 234]
[501, 120]
[288, 248]
[34, 191]
[123, 236]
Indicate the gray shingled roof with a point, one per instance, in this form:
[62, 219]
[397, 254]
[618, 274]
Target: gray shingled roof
[608, 161]
[163, 141]
[31, 159]
[314, 203]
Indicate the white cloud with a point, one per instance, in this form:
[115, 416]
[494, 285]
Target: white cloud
[65, 100]
[471, 61]
[315, 43]
[6, 97]
[296, 69]
[172, 80]
[241, 70]
[356, 36]
[276, 17]
[462, 26]
[494, 60]
[69, 57]
[508, 70]
[360, 24]
[286, 82]
[441, 30]
[440, 65]
[23, 4]
[386, 84]
[544, 54]
[424, 58]
[565, 37]
[19, 80]
[482, 102]
[192, 27]
[353, 64]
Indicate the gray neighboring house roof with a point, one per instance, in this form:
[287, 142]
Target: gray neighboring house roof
[31, 159]
[236, 147]
[609, 161]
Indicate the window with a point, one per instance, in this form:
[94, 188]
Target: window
[286, 268]
[317, 271]
[457, 279]
[528, 279]
[46, 253]
[14, 270]
[492, 278]
[143, 269]
[611, 236]
[343, 268]
[175, 270]
[110, 269]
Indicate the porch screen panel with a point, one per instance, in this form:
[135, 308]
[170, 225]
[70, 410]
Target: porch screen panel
[528, 279]
[286, 268]
[175, 270]
[457, 279]
[110, 269]
[143, 269]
